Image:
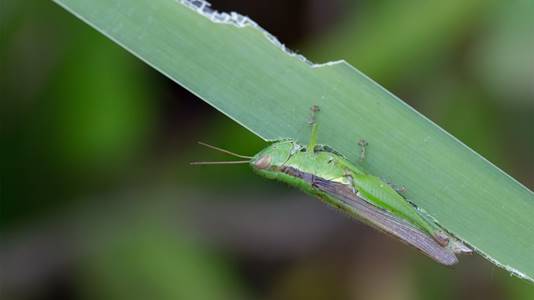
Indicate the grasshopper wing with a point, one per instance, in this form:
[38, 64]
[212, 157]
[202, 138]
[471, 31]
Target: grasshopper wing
[385, 221]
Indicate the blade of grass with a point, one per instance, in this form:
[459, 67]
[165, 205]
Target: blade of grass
[242, 71]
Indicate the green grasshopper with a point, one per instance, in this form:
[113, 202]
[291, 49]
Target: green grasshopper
[322, 172]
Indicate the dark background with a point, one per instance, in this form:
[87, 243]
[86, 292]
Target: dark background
[98, 200]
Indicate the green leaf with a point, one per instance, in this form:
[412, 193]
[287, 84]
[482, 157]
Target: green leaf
[245, 73]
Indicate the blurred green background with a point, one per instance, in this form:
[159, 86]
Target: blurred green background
[98, 200]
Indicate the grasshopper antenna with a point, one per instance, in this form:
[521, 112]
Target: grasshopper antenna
[224, 151]
[231, 162]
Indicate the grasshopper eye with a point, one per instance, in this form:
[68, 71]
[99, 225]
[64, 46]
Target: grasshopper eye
[264, 162]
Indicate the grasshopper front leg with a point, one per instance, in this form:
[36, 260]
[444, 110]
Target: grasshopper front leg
[313, 122]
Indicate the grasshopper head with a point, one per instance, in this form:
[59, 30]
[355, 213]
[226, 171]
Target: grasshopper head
[274, 156]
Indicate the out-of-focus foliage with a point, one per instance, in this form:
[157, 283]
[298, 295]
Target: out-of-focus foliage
[503, 58]
[81, 118]
[148, 260]
[75, 111]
